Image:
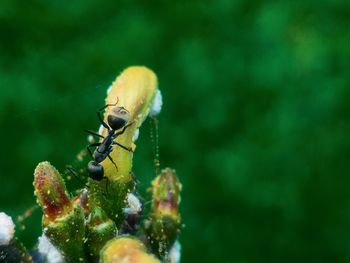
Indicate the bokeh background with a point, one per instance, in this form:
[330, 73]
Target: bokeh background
[255, 117]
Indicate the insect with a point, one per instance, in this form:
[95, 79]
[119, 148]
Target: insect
[117, 123]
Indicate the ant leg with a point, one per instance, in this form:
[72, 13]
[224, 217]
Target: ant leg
[94, 133]
[92, 145]
[119, 133]
[110, 158]
[124, 147]
[123, 130]
[102, 121]
[100, 117]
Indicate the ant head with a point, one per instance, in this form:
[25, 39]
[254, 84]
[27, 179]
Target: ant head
[95, 171]
[118, 118]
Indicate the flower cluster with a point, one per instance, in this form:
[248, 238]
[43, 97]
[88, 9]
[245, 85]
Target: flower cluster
[105, 221]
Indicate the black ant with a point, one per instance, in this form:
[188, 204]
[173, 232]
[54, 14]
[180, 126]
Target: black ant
[117, 119]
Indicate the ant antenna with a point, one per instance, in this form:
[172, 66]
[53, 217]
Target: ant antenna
[155, 141]
[107, 183]
[109, 105]
[75, 173]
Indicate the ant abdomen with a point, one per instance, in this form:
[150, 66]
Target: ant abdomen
[95, 170]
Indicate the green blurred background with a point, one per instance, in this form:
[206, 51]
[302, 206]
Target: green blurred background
[256, 114]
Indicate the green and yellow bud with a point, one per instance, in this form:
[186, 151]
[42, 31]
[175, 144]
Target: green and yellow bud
[63, 222]
[99, 229]
[126, 250]
[134, 89]
[165, 220]
[51, 192]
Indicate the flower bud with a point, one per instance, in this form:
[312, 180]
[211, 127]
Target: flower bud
[134, 91]
[63, 223]
[51, 192]
[126, 250]
[164, 222]
[99, 230]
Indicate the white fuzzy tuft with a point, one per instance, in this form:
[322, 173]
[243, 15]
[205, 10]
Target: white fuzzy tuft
[156, 104]
[134, 204]
[7, 229]
[175, 253]
[48, 250]
[90, 138]
[136, 135]
[109, 89]
[100, 130]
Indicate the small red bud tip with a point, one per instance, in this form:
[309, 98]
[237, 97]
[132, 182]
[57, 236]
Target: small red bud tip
[97, 217]
[82, 200]
[51, 191]
[166, 192]
[165, 218]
